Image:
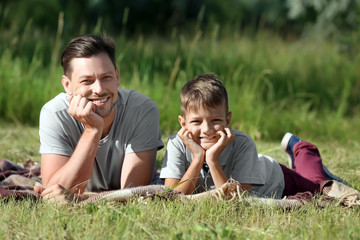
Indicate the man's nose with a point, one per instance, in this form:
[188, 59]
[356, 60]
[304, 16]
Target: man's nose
[97, 87]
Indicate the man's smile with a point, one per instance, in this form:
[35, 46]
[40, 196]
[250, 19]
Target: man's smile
[99, 102]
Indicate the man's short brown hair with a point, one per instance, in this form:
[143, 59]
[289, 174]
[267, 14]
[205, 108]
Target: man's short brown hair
[205, 90]
[84, 47]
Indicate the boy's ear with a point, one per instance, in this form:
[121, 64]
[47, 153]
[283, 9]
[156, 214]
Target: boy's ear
[66, 82]
[228, 119]
[181, 120]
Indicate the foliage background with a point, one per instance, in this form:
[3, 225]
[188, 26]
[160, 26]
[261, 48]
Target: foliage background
[288, 65]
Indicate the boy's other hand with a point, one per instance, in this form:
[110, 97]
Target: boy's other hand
[226, 137]
[188, 140]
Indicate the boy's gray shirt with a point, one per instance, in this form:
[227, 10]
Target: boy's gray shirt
[135, 129]
[239, 161]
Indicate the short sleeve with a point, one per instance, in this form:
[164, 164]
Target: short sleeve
[146, 134]
[174, 164]
[247, 166]
[52, 136]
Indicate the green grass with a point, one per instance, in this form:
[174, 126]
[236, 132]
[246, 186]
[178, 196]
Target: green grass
[174, 220]
[274, 85]
[161, 219]
[304, 86]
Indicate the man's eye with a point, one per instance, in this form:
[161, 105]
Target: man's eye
[107, 77]
[85, 81]
[195, 121]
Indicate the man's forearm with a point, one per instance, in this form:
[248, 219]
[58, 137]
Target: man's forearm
[75, 173]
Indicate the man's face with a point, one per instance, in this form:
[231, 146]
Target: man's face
[205, 123]
[96, 79]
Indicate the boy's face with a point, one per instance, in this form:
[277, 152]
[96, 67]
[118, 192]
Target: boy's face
[96, 79]
[205, 123]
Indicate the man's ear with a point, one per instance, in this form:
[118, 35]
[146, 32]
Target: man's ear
[117, 72]
[66, 82]
[181, 120]
[228, 119]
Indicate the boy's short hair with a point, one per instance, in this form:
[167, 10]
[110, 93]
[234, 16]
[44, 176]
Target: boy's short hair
[205, 90]
[86, 46]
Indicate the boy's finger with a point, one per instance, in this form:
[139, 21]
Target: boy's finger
[181, 131]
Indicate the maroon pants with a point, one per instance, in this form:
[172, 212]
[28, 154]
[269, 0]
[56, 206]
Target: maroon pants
[308, 173]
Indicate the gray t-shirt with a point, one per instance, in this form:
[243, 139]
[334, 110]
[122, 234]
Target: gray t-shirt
[135, 129]
[239, 161]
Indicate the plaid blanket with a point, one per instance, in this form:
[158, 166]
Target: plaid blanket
[17, 182]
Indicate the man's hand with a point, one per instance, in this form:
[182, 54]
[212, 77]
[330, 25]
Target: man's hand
[213, 153]
[195, 148]
[83, 110]
[56, 194]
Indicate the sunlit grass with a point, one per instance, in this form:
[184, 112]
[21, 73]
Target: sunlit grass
[160, 219]
[274, 85]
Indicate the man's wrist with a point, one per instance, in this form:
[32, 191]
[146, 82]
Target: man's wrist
[93, 131]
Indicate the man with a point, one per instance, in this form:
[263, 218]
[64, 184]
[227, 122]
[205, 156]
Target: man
[95, 136]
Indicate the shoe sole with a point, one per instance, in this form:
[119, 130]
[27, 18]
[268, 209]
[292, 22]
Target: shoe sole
[331, 176]
[284, 144]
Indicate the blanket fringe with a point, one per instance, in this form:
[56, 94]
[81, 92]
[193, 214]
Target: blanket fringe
[233, 191]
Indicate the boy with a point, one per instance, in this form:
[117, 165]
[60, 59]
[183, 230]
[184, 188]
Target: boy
[205, 153]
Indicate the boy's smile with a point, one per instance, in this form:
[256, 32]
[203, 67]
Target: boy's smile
[204, 124]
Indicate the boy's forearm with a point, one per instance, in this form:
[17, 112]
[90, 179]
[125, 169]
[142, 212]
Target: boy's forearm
[75, 173]
[190, 178]
[218, 175]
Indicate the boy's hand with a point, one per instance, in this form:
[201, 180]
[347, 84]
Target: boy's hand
[84, 111]
[214, 152]
[194, 147]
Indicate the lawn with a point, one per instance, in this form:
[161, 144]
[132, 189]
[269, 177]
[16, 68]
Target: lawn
[159, 219]
[306, 85]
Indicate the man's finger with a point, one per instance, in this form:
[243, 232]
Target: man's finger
[83, 102]
[221, 133]
[90, 107]
[38, 189]
[228, 131]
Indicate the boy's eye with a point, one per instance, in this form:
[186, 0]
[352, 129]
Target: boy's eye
[195, 121]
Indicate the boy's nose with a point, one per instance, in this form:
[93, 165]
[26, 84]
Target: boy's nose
[207, 128]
